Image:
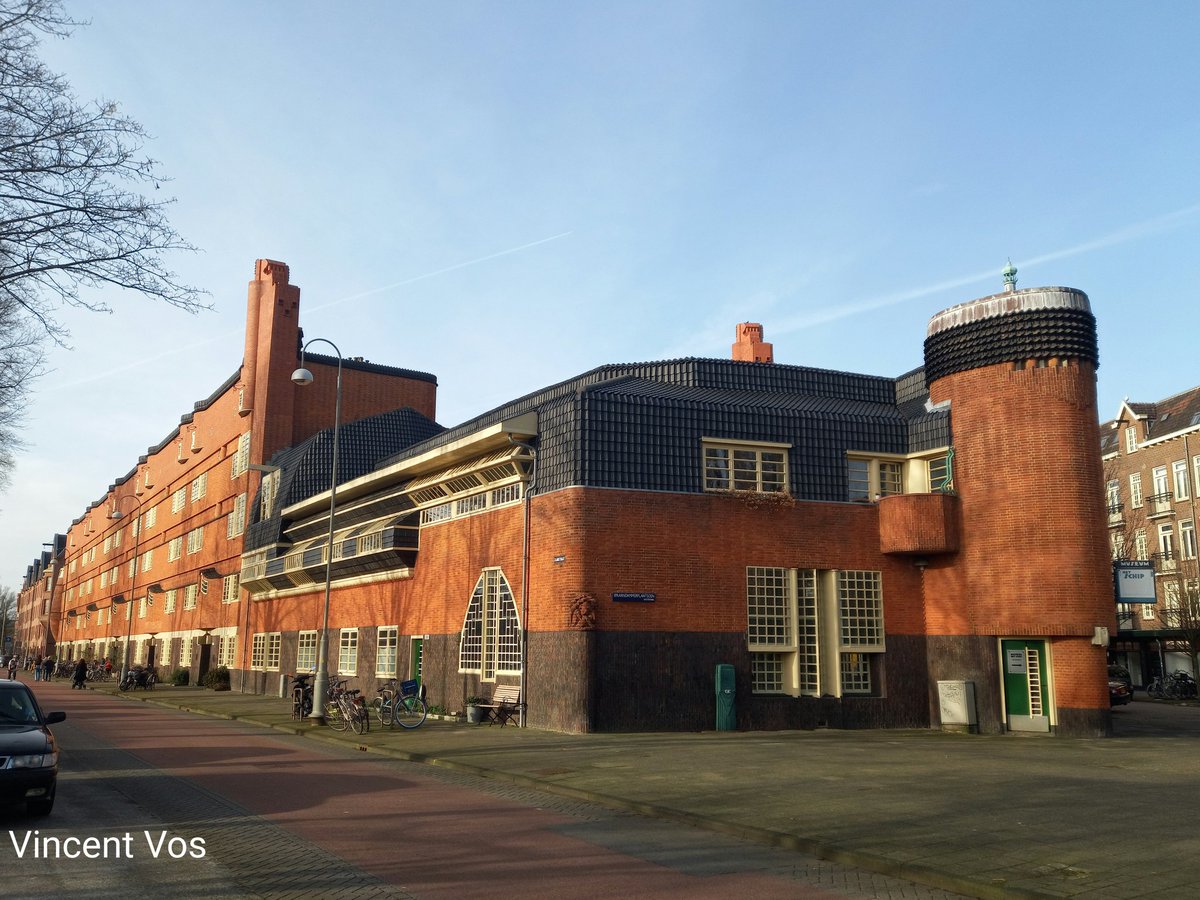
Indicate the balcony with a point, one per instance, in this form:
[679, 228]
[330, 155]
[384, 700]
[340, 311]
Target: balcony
[920, 524]
[1159, 505]
[1165, 562]
[1116, 515]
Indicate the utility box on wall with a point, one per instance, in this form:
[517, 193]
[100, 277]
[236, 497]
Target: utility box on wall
[726, 691]
[956, 699]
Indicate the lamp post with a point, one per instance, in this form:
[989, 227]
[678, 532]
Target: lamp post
[137, 543]
[304, 377]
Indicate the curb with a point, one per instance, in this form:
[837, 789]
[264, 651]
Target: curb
[870, 862]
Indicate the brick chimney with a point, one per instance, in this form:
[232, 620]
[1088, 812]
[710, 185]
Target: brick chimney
[749, 346]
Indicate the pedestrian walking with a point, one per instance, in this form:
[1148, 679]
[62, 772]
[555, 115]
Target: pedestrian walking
[36, 666]
[48, 668]
[12, 667]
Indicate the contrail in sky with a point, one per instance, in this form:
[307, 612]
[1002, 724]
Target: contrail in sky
[1129, 233]
[146, 360]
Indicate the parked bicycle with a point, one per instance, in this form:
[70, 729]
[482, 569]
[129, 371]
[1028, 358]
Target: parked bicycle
[400, 705]
[346, 708]
[302, 695]
[138, 677]
[1177, 686]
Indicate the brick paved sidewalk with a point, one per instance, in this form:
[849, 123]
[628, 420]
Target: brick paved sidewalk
[986, 816]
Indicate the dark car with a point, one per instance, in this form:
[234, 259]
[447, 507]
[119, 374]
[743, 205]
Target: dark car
[1119, 693]
[28, 751]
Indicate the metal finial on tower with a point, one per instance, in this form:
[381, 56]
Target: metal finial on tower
[1010, 276]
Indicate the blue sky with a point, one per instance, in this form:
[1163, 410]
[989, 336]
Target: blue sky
[509, 194]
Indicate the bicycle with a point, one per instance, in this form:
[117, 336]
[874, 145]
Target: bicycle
[346, 708]
[302, 695]
[1178, 686]
[403, 707]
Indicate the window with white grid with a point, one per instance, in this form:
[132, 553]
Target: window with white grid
[274, 649]
[141, 607]
[490, 644]
[151, 518]
[745, 467]
[195, 540]
[807, 634]
[860, 608]
[169, 603]
[306, 651]
[237, 517]
[179, 500]
[768, 608]
[348, 652]
[190, 593]
[199, 486]
[766, 673]
[258, 651]
[856, 673]
[385, 652]
[174, 549]
[147, 560]
[266, 495]
[227, 654]
[241, 456]
[230, 588]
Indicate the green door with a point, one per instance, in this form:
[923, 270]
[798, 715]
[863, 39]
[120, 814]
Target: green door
[1026, 693]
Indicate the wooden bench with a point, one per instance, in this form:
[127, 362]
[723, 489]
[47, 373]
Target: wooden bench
[504, 706]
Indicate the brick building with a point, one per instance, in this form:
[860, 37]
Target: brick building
[1151, 459]
[155, 560]
[845, 542]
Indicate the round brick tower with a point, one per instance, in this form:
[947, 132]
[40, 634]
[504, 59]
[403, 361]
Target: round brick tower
[1024, 608]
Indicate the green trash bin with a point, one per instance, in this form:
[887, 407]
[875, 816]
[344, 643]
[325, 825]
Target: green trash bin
[726, 692]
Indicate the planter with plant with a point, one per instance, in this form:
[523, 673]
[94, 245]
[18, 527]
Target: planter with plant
[475, 711]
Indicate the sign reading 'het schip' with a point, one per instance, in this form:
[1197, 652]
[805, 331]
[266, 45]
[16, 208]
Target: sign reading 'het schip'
[1134, 581]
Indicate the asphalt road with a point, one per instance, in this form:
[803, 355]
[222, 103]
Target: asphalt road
[235, 810]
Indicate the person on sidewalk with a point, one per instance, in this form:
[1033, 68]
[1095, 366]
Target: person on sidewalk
[80, 679]
[48, 668]
[12, 667]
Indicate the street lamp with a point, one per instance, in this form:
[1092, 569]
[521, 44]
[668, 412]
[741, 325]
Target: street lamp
[137, 542]
[304, 377]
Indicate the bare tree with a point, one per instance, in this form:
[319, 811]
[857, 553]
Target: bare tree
[8, 607]
[74, 220]
[1180, 609]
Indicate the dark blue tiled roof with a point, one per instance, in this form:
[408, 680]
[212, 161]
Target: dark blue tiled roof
[362, 446]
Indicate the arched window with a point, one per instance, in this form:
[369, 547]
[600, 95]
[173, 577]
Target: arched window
[491, 635]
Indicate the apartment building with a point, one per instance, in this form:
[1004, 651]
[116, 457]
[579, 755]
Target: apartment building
[853, 547]
[1151, 459]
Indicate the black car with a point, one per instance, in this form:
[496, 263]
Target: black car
[1120, 686]
[28, 752]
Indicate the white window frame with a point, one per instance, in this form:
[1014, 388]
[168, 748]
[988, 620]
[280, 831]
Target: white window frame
[306, 651]
[199, 486]
[191, 594]
[387, 649]
[1131, 443]
[1179, 473]
[241, 457]
[230, 588]
[490, 640]
[170, 601]
[348, 651]
[195, 540]
[237, 517]
[179, 499]
[1135, 490]
[1187, 539]
[174, 549]
[762, 466]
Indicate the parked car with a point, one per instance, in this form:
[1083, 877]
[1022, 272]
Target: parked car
[28, 751]
[1120, 673]
[1119, 693]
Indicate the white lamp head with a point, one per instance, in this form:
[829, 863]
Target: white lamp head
[302, 376]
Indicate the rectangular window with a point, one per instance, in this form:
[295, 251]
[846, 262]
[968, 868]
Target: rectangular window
[858, 479]
[131, 566]
[172, 598]
[1139, 544]
[1135, 490]
[306, 652]
[241, 457]
[745, 467]
[1179, 473]
[1158, 476]
[891, 480]
[237, 518]
[107, 545]
[179, 500]
[230, 589]
[147, 560]
[1112, 495]
[266, 495]
[1187, 539]
[227, 655]
[860, 606]
[151, 517]
[769, 609]
[258, 651]
[385, 652]
[199, 486]
[103, 580]
[141, 607]
[190, 593]
[274, 648]
[348, 652]
[185, 650]
[174, 549]
[195, 540]
[1130, 438]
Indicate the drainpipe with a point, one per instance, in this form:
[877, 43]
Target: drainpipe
[525, 573]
